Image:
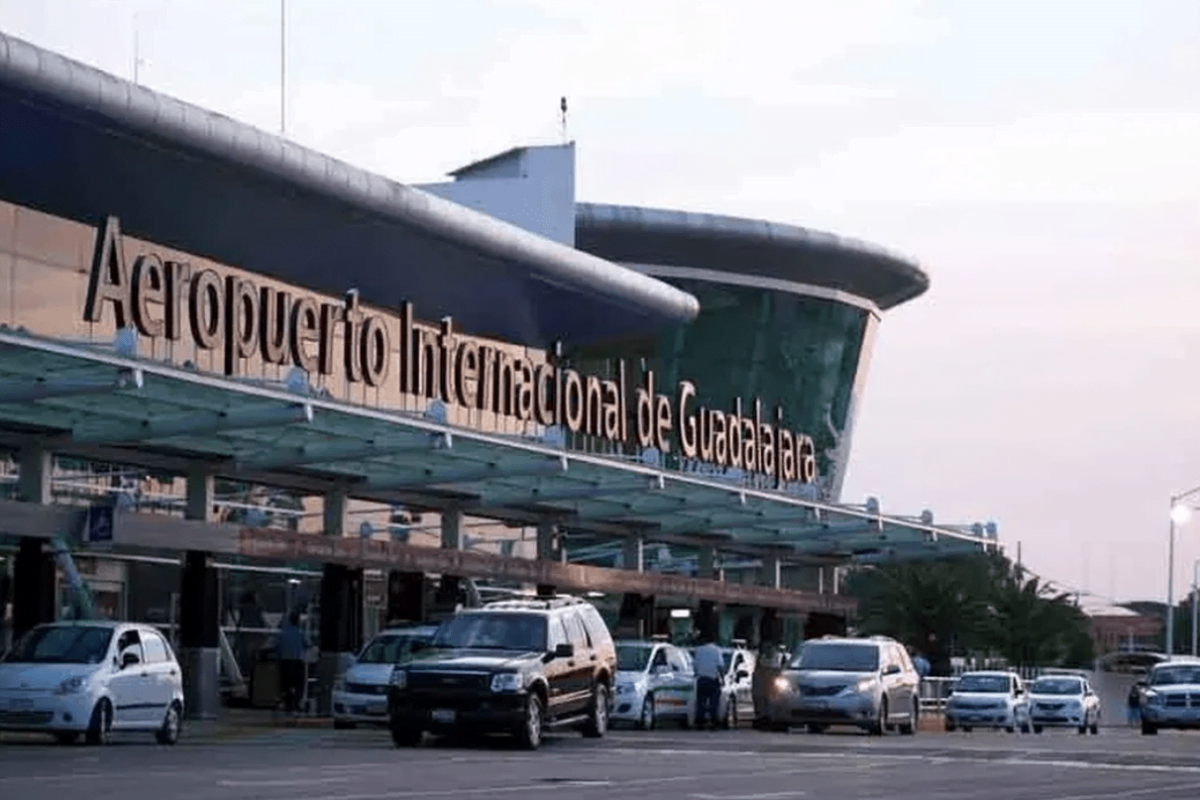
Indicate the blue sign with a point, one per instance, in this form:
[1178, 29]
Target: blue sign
[98, 526]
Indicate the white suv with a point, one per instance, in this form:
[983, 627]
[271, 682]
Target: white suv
[91, 678]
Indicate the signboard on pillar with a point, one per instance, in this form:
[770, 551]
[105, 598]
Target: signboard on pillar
[98, 524]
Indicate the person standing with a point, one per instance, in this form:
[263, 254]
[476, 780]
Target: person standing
[291, 647]
[1134, 705]
[709, 665]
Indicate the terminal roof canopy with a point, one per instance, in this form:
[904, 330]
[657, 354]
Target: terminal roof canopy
[79, 143]
[120, 410]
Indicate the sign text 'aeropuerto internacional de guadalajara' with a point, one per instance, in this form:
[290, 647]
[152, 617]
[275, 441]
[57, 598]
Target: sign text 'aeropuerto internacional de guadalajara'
[230, 314]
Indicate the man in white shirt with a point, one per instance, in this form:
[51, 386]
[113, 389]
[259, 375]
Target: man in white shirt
[709, 666]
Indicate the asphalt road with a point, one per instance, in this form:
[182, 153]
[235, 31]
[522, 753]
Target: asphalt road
[299, 764]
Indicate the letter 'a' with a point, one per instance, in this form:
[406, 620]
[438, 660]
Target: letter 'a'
[109, 278]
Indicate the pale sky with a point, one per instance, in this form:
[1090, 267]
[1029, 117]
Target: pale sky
[1040, 159]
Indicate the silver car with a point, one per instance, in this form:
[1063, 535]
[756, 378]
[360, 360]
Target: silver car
[867, 683]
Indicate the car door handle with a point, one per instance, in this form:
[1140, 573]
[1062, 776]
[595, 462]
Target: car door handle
[143, 674]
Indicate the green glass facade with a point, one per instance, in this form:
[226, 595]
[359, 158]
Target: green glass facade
[807, 353]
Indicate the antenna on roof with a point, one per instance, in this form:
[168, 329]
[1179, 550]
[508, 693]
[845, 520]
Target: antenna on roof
[562, 107]
[137, 50]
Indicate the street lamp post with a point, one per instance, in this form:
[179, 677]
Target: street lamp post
[1179, 514]
[1195, 607]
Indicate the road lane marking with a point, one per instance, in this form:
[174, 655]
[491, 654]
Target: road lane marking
[288, 782]
[760, 796]
[1121, 793]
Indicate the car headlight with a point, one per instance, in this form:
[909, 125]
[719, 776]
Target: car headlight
[863, 686]
[70, 685]
[339, 683]
[1154, 699]
[782, 684]
[399, 678]
[508, 682]
[623, 688]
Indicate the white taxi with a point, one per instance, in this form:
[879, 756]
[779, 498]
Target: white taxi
[91, 678]
[360, 695]
[654, 682]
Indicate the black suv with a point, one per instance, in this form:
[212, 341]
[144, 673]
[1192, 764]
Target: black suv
[514, 666]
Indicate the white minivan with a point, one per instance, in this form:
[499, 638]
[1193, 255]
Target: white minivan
[91, 678]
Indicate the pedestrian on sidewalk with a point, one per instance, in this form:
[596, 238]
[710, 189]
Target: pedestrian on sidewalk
[291, 648]
[1134, 706]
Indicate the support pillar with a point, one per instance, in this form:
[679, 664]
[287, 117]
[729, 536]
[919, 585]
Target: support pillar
[340, 627]
[405, 597]
[632, 554]
[636, 617]
[706, 565]
[36, 467]
[333, 514]
[200, 498]
[772, 572]
[548, 549]
[199, 636]
[770, 627]
[707, 622]
[453, 538]
[32, 587]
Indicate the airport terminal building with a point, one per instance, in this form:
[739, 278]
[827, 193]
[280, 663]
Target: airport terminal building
[238, 376]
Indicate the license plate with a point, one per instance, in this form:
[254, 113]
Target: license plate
[820, 705]
[377, 709]
[443, 717]
[975, 717]
[20, 704]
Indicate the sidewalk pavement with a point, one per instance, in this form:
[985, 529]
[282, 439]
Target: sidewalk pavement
[234, 723]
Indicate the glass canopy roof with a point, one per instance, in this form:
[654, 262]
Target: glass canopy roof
[91, 403]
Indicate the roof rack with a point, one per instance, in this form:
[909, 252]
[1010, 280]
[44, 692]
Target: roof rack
[660, 637]
[534, 602]
[738, 642]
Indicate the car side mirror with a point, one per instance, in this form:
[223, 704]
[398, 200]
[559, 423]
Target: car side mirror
[1141, 684]
[129, 660]
[564, 651]
[742, 675]
[892, 669]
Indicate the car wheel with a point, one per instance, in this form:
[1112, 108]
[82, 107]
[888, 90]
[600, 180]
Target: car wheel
[815, 727]
[66, 738]
[343, 725]
[950, 727]
[100, 726]
[1149, 729]
[529, 736]
[597, 723]
[406, 737]
[1010, 728]
[647, 717]
[966, 729]
[879, 727]
[1037, 728]
[909, 728]
[168, 732]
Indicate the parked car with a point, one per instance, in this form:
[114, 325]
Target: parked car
[360, 695]
[1171, 696]
[92, 678]
[515, 667]
[737, 701]
[988, 699]
[1064, 701]
[868, 683]
[654, 682]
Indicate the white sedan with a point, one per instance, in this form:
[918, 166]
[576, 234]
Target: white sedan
[1063, 701]
[91, 678]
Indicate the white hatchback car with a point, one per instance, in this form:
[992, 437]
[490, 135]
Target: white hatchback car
[91, 678]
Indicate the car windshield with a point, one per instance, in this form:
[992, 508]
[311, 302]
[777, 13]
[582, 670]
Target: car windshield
[493, 631]
[391, 648]
[838, 657]
[62, 644]
[1167, 676]
[633, 657]
[984, 684]
[1064, 686]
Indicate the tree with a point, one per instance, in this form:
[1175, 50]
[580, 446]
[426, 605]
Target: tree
[981, 604]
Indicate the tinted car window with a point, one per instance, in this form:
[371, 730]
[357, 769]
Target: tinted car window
[838, 657]
[389, 648]
[575, 634]
[493, 631]
[597, 630]
[1067, 686]
[156, 648]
